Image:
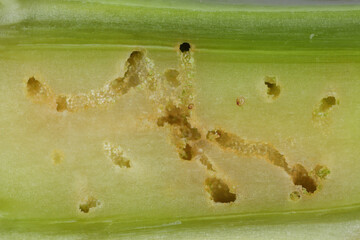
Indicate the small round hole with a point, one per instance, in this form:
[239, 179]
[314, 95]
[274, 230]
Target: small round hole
[185, 47]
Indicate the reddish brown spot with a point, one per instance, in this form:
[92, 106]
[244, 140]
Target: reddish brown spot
[301, 177]
[61, 104]
[240, 101]
[33, 86]
[219, 191]
[186, 153]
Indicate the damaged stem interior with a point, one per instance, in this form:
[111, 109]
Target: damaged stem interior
[173, 135]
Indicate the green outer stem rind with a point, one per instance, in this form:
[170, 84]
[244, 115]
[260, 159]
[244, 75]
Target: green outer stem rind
[337, 223]
[214, 27]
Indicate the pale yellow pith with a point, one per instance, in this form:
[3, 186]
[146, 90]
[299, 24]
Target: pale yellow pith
[167, 165]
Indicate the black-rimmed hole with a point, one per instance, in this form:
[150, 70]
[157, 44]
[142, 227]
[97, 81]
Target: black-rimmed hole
[185, 47]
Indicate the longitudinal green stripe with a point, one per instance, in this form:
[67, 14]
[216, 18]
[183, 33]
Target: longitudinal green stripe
[260, 28]
[321, 224]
